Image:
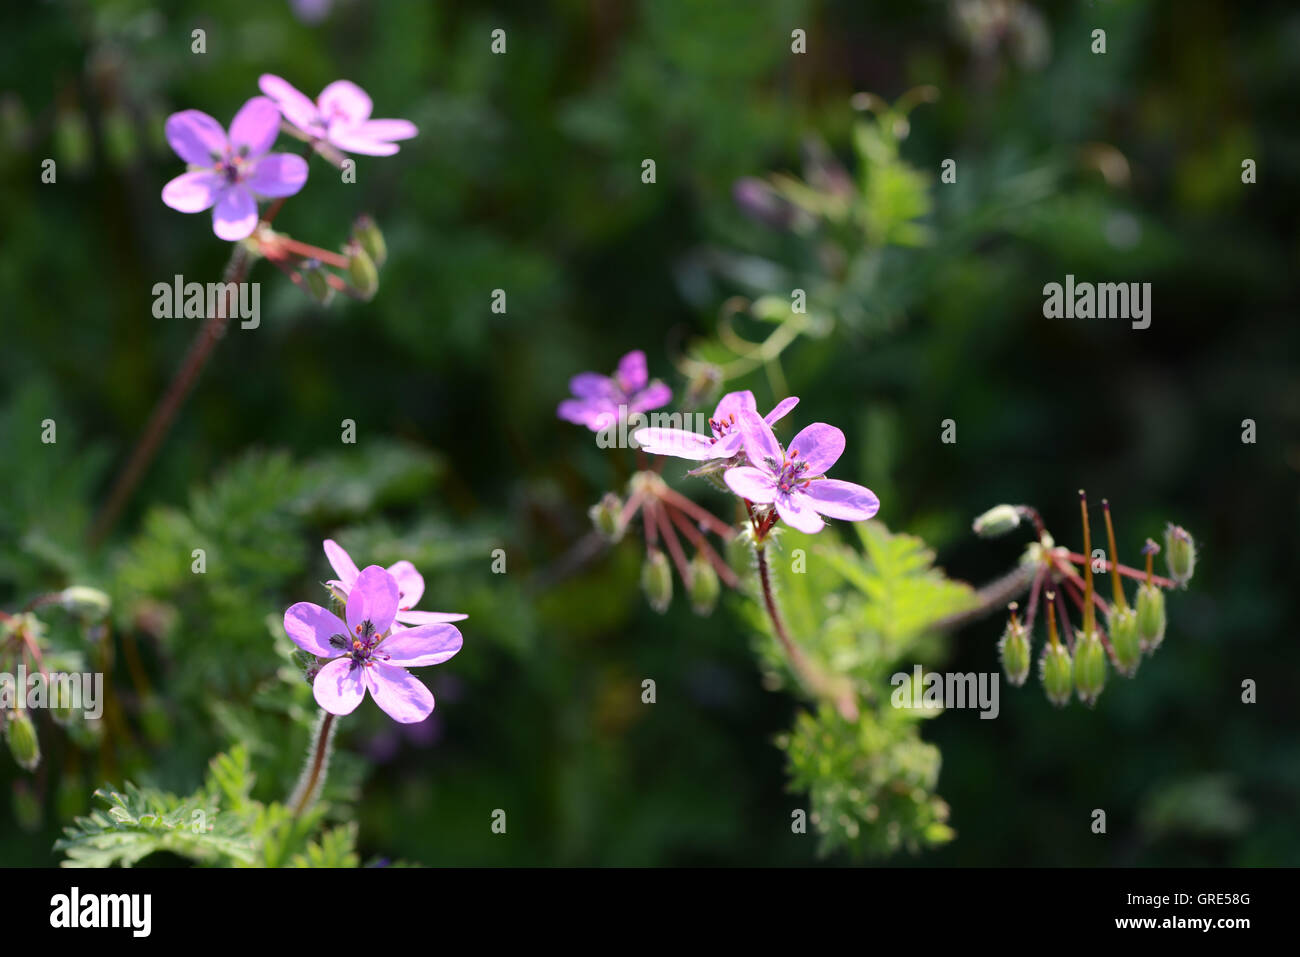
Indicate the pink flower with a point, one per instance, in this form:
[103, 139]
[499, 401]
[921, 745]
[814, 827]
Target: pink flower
[726, 439]
[410, 587]
[366, 654]
[229, 174]
[796, 484]
[340, 116]
[599, 400]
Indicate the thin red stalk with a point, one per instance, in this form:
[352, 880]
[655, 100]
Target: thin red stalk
[1125, 571]
[1065, 622]
[704, 517]
[1033, 597]
[702, 543]
[674, 545]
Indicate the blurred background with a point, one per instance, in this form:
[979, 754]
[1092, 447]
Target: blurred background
[527, 176]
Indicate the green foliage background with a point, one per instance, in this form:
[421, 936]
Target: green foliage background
[526, 177]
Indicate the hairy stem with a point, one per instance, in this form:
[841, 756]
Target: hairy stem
[309, 784]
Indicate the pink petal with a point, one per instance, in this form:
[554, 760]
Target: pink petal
[751, 483]
[592, 385]
[760, 444]
[192, 192]
[734, 403]
[339, 687]
[399, 693]
[429, 617]
[796, 511]
[352, 139]
[278, 174]
[341, 562]
[782, 409]
[255, 126]
[425, 645]
[296, 106]
[837, 499]
[344, 100]
[374, 599]
[820, 445]
[310, 627]
[676, 442]
[235, 215]
[729, 445]
[388, 129]
[594, 415]
[196, 137]
[410, 584]
[653, 396]
[632, 375]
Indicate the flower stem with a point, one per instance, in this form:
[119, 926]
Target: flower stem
[309, 784]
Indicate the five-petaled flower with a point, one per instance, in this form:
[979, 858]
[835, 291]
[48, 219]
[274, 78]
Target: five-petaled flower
[795, 483]
[600, 401]
[726, 440]
[340, 116]
[365, 654]
[230, 173]
[410, 586]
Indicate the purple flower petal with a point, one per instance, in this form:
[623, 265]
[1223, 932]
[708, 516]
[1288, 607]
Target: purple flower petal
[398, 692]
[410, 584]
[296, 106]
[782, 409]
[381, 130]
[760, 444]
[653, 396]
[192, 192]
[594, 415]
[374, 599]
[820, 446]
[836, 499]
[351, 139]
[592, 385]
[680, 443]
[196, 137]
[255, 126]
[341, 562]
[796, 511]
[235, 215]
[425, 645]
[339, 688]
[310, 627]
[344, 101]
[429, 617]
[632, 375]
[754, 484]
[734, 403]
[277, 174]
[729, 445]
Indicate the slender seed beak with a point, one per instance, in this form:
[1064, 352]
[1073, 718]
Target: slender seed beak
[1087, 566]
[1051, 618]
[1120, 601]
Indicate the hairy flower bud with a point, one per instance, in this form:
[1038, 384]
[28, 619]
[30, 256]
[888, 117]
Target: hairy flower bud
[1054, 668]
[1089, 666]
[1150, 616]
[704, 586]
[657, 581]
[1013, 647]
[1125, 639]
[1180, 553]
[997, 521]
[20, 735]
[367, 233]
[89, 603]
[607, 517]
[362, 271]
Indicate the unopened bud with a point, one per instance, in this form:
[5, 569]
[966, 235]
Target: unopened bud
[89, 603]
[362, 271]
[1089, 666]
[1180, 553]
[1125, 639]
[607, 516]
[367, 233]
[20, 735]
[704, 587]
[1014, 649]
[657, 581]
[316, 282]
[1055, 667]
[1150, 616]
[997, 521]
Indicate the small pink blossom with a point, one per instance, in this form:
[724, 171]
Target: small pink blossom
[726, 440]
[340, 116]
[599, 400]
[410, 585]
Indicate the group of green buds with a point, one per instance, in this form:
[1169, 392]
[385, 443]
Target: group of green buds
[1079, 665]
[320, 273]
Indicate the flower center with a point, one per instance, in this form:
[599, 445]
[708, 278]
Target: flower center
[233, 167]
[363, 647]
[721, 427]
[791, 474]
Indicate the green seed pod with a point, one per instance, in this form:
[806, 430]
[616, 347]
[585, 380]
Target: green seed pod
[1180, 553]
[89, 603]
[20, 735]
[997, 521]
[1089, 666]
[1150, 616]
[1125, 639]
[313, 277]
[1055, 668]
[1015, 651]
[371, 239]
[657, 581]
[362, 271]
[704, 587]
[607, 516]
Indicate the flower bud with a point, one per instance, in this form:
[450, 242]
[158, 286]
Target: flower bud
[1014, 650]
[997, 521]
[315, 281]
[607, 517]
[1125, 639]
[1150, 616]
[704, 587]
[20, 735]
[657, 581]
[89, 603]
[367, 233]
[1180, 553]
[1055, 667]
[1089, 666]
[362, 271]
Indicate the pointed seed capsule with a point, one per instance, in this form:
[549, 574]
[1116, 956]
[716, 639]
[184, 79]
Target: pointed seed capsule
[1014, 649]
[20, 735]
[657, 581]
[704, 587]
[1089, 666]
[1180, 553]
